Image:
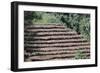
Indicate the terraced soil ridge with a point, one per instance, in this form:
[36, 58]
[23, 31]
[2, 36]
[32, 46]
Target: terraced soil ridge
[50, 42]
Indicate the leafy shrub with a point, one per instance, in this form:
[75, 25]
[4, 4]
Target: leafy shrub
[80, 55]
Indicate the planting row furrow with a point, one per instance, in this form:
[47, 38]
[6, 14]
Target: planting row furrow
[60, 52]
[38, 31]
[44, 57]
[44, 33]
[43, 30]
[54, 42]
[39, 25]
[44, 27]
[60, 48]
[55, 45]
[47, 34]
[57, 50]
[53, 37]
[60, 44]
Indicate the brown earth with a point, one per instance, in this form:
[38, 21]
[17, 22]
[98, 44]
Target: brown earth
[46, 42]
